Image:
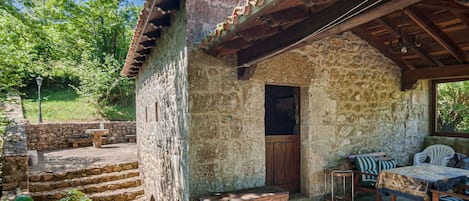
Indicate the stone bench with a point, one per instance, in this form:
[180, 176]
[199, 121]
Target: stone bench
[131, 138]
[78, 141]
[266, 193]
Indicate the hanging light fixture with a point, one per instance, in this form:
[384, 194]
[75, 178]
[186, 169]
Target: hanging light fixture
[405, 44]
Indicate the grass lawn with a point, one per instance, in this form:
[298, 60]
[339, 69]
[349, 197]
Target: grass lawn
[65, 105]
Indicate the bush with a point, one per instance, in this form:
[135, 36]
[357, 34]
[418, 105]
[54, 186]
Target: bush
[75, 195]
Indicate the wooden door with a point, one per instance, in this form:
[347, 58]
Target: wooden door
[282, 137]
[283, 162]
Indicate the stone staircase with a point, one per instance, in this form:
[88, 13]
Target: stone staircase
[119, 182]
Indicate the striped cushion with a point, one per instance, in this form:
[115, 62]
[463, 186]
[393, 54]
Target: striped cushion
[387, 164]
[450, 198]
[368, 165]
[370, 177]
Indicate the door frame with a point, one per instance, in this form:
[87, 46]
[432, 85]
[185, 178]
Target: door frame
[299, 115]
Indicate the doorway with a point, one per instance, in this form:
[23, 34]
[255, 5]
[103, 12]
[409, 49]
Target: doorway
[282, 137]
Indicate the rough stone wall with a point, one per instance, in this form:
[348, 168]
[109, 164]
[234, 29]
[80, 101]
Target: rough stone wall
[162, 115]
[14, 157]
[227, 148]
[204, 15]
[50, 136]
[351, 105]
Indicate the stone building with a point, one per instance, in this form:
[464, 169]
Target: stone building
[213, 117]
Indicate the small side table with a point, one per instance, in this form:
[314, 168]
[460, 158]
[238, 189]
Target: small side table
[344, 174]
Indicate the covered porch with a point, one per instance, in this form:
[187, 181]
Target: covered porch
[353, 77]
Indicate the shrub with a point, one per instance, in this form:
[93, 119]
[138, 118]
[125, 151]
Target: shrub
[75, 195]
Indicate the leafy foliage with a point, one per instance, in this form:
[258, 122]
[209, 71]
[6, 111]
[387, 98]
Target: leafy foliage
[75, 195]
[78, 43]
[453, 107]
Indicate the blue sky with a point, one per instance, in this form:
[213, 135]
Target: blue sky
[137, 2]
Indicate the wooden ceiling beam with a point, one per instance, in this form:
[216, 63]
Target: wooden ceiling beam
[158, 23]
[445, 72]
[431, 29]
[285, 16]
[451, 6]
[148, 43]
[294, 33]
[153, 34]
[168, 5]
[420, 51]
[381, 47]
[298, 34]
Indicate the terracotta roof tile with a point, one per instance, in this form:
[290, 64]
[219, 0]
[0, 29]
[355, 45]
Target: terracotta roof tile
[144, 14]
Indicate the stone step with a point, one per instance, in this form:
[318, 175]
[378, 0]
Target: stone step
[141, 198]
[112, 186]
[82, 181]
[45, 177]
[127, 194]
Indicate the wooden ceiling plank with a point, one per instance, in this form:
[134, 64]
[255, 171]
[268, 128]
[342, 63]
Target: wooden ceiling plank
[381, 47]
[462, 17]
[295, 33]
[431, 29]
[302, 32]
[445, 72]
[420, 51]
[385, 9]
[439, 5]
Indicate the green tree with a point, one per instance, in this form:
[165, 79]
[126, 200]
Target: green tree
[81, 43]
[453, 107]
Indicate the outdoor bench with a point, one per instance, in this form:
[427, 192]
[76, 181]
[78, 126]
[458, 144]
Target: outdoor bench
[266, 193]
[131, 138]
[77, 141]
[366, 168]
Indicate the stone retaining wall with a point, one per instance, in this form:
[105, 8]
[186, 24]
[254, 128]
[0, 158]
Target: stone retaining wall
[50, 136]
[14, 158]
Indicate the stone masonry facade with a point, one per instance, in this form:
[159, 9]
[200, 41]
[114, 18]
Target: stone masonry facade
[204, 15]
[226, 140]
[162, 115]
[351, 103]
[51, 136]
[201, 130]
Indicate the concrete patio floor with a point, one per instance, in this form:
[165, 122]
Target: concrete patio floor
[84, 157]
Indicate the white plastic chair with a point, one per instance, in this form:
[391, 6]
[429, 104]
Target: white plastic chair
[438, 154]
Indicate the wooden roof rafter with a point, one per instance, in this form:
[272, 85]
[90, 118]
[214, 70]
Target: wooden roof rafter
[421, 52]
[431, 29]
[309, 29]
[154, 16]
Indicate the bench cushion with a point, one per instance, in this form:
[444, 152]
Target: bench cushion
[387, 164]
[450, 198]
[368, 165]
